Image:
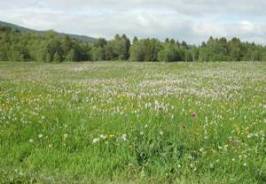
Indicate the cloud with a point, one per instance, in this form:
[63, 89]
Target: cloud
[190, 20]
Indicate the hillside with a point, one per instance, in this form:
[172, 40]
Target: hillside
[23, 29]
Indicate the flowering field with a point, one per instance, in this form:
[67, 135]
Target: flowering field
[118, 122]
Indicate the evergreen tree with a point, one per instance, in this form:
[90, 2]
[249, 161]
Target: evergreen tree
[50, 46]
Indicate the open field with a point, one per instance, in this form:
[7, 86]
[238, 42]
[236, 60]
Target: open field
[119, 122]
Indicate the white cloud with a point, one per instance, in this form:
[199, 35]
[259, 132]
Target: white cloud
[191, 20]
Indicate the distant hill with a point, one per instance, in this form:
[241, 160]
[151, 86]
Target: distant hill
[15, 27]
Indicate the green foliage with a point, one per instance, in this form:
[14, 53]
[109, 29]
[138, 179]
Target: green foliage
[97, 53]
[170, 52]
[117, 49]
[137, 51]
[48, 47]
[72, 55]
[145, 50]
[52, 47]
[235, 49]
[232, 50]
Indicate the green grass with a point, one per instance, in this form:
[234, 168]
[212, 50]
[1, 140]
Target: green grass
[110, 122]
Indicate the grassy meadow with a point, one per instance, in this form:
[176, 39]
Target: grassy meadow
[126, 122]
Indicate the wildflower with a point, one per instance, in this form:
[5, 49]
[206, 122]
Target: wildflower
[111, 136]
[95, 140]
[65, 136]
[31, 140]
[103, 136]
[249, 136]
[124, 137]
[40, 136]
[161, 132]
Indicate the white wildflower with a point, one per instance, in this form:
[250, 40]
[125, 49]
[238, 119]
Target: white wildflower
[124, 137]
[65, 136]
[103, 136]
[95, 140]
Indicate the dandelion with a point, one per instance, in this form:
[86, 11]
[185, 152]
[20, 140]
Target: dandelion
[103, 136]
[95, 140]
[124, 137]
[65, 136]
[111, 136]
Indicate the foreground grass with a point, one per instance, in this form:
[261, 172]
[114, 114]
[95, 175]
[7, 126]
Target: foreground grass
[133, 123]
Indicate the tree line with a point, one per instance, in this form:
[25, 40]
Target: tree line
[51, 47]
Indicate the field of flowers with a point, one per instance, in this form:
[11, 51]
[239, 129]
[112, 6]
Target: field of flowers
[119, 122]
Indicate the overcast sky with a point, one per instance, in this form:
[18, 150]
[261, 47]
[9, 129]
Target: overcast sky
[190, 20]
